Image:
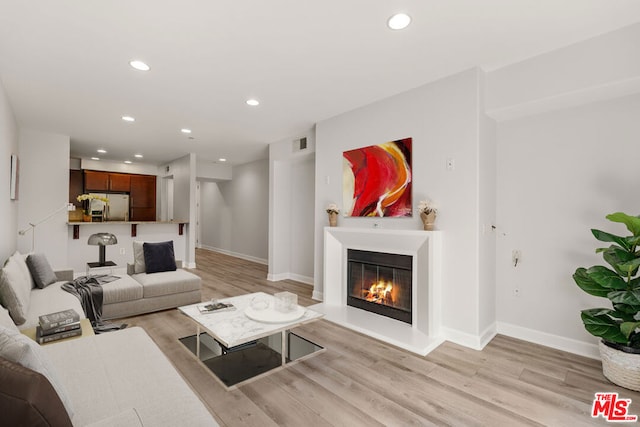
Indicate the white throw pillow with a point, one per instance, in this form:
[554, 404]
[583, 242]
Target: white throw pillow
[15, 288]
[138, 257]
[17, 348]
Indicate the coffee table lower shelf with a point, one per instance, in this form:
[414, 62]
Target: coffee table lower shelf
[246, 361]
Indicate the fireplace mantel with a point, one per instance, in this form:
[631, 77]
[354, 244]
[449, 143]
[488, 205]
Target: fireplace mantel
[423, 335]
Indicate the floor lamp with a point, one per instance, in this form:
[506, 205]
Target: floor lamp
[33, 225]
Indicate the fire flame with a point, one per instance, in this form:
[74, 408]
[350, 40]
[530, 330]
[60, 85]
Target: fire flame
[380, 293]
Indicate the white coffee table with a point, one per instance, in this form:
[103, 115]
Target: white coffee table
[233, 341]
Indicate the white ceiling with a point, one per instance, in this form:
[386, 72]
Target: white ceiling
[64, 63]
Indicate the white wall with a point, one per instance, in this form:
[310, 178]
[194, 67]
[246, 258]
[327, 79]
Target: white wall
[207, 170]
[111, 166]
[44, 188]
[292, 209]
[600, 68]
[442, 119]
[8, 208]
[302, 218]
[559, 174]
[234, 214]
[182, 188]
[487, 211]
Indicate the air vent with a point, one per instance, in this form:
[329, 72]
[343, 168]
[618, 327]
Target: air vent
[300, 144]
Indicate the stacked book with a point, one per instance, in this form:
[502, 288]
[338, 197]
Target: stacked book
[57, 326]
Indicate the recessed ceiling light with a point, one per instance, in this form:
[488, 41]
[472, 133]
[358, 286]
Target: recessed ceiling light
[139, 65]
[128, 162]
[95, 158]
[399, 21]
[101, 151]
[128, 119]
[139, 156]
[222, 159]
[185, 130]
[253, 102]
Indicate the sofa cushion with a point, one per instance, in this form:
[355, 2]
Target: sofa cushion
[15, 287]
[50, 300]
[41, 270]
[138, 257]
[168, 283]
[6, 320]
[123, 289]
[127, 370]
[17, 348]
[159, 257]
[28, 398]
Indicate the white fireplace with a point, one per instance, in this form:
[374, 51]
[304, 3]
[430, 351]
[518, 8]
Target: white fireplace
[423, 333]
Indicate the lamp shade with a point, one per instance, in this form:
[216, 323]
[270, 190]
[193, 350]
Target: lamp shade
[102, 239]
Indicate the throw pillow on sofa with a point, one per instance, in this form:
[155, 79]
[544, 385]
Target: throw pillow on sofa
[138, 257]
[17, 348]
[28, 398]
[41, 270]
[159, 257]
[15, 288]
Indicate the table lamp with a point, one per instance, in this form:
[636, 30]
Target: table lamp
[102, 240]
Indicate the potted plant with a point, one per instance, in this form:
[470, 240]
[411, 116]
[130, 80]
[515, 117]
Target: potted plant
[428, 213]
[333, 212]
[619, 326]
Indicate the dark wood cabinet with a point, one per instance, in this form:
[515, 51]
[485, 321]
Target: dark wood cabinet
[76, 187]
[141, 189]
[105, 181]
[143, 198]
[96, 181]
[119, 182]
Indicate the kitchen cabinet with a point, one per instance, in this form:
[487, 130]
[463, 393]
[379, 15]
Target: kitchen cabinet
[119, 182]
[96, 181]
[105, 181]
[76, 187]
[143, 198]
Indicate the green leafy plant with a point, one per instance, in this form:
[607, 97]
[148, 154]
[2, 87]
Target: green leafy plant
[619, 284]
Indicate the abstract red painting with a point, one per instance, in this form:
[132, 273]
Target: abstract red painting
[377, 180]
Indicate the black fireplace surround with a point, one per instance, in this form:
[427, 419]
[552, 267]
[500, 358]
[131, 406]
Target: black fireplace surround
[380, 283]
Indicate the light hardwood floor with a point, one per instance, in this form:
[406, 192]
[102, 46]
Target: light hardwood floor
[359, 381]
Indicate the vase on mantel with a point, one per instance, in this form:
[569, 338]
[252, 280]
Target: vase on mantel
[333, 219]
[428, 219]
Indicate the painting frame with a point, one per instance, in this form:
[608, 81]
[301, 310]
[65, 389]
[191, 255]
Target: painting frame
[15, 176]
[377, 180]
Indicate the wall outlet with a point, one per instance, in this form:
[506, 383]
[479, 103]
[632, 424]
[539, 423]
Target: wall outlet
[516, 256]
[516, 292]
[122, 251]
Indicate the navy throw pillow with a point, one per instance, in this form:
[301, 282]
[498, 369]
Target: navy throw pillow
[159, 257]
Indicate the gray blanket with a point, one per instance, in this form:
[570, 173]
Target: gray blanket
[89, 291]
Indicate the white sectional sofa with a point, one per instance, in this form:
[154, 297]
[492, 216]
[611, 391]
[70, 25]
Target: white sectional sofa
[118, 378]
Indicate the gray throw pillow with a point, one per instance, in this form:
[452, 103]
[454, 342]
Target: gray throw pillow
[41, 270]
[15, 288]
[138, 257]
[19, 349]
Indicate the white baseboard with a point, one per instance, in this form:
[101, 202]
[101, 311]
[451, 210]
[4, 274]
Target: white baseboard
[277, 277]
[189, 264]
[317, 296]
[462, 338]
[290, 276]
[554, 341]
[488, 335]
[302, 279]
[235, 254]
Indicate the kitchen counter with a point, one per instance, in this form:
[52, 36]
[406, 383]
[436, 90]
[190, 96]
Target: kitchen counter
[134, 225]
